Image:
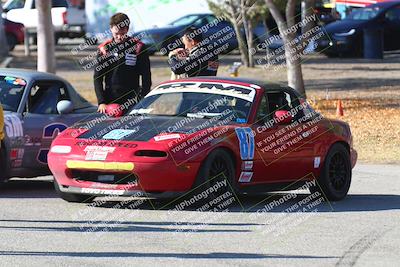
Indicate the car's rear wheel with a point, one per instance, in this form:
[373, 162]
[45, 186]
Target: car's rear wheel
[217, 171]
[335, 179]
[70, 197]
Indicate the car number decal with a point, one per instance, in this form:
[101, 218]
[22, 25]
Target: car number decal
[49, 132]
[246, 142]
[246, 145]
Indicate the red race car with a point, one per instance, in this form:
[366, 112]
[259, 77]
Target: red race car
[245, 135]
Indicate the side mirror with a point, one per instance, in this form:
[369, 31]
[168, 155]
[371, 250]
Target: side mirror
[283, 117]
[65, 107]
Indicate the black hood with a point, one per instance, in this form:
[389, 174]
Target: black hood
[142, 128]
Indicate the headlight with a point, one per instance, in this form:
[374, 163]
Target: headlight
[61, 149]
[351, 32]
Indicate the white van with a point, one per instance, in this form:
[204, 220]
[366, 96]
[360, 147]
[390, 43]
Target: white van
[69, 20]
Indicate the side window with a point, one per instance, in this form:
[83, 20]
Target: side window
[16, 4]
[210, 18]
[55, 3]
[200, 22]
[393, 15]
[44, 96]
[262, 112]
[279, 100]
[284, 100]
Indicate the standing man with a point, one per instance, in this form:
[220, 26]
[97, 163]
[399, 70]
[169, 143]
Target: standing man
[122, 64]
[195, 59]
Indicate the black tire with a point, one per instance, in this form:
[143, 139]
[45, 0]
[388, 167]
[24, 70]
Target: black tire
[217, 167]
[69, 197]
[335, 179]
[11, 41]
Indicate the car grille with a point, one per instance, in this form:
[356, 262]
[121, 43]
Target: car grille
[104, 177]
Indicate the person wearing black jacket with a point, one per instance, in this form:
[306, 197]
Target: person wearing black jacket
[121, 63]
[195, 59]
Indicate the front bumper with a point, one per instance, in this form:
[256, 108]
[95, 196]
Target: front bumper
[112, 192]
[150, 177]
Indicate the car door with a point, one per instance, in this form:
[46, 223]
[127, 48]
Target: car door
[285, 154]
[392, 28]
[42, 122]
[267, 168]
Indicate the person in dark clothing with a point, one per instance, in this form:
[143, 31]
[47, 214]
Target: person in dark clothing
[121, 63]
[195, 59]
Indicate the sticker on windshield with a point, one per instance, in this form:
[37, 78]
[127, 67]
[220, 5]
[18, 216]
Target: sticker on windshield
[118, 134]
[238, 91]
[14, 81]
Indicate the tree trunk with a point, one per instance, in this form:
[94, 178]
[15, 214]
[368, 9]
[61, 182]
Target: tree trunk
[3, 37]
[293, 58]
[235, 18]
[45, 37]
[307, 10]
[241, 45]
[248, 34]
[250, 44]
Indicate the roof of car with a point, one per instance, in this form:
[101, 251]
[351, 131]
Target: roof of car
[264, 84]
[29, 74]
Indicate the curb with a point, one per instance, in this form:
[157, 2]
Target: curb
[6, 62]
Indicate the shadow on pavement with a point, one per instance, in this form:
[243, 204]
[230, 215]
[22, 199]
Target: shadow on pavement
[28, 188]
[43, 188]
[111, 254]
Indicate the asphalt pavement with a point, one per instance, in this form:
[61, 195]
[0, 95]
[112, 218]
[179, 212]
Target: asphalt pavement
[39, 229]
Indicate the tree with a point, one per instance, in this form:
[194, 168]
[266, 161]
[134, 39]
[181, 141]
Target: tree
[3, 38]
[45, 35]
[252, 13]
[292, 53]
[243, 14]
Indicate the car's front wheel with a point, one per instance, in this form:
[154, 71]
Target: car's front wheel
[335, 179]
[216, 175]
[70, 197]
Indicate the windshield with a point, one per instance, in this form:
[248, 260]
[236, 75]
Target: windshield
[365, 13]
[195, 105]
[14, 4]
[11, 90]
[186, 20]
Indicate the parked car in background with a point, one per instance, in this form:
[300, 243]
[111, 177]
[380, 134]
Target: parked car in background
[14, 33]
[69, 20]
[37, 106]
[345, 37]
[167, 38]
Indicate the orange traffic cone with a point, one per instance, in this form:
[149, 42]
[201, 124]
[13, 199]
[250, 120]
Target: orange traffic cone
[339, 108]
